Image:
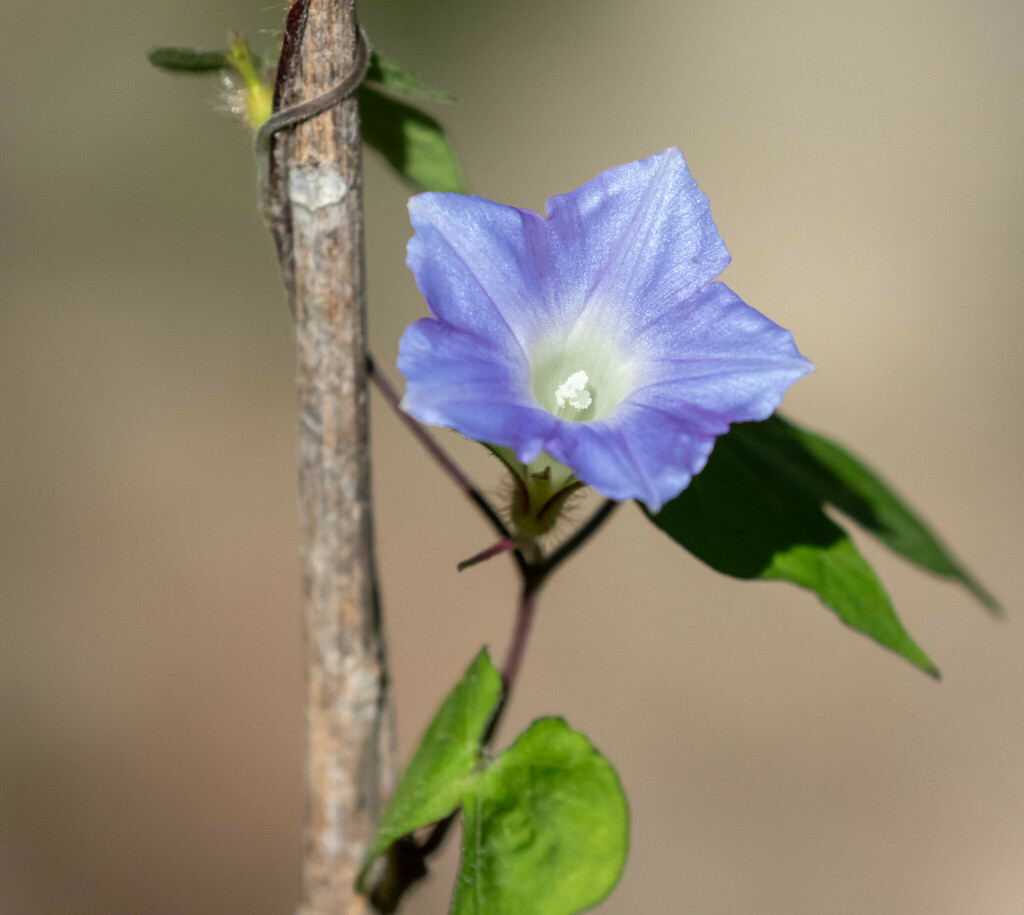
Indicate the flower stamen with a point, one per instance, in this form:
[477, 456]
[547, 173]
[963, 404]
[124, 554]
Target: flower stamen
[573, 392]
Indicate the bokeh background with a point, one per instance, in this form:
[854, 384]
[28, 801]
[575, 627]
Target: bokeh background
[863, 163]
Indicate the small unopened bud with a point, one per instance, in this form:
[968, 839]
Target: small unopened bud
[259, 97]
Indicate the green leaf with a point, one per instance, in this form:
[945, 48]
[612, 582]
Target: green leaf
[830, 473]
[545, 828]
[392, 75]
[752, 514]
[444, 761]
[188, 60]
[413, 143]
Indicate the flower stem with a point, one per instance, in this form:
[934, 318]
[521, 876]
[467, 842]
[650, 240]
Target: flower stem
[454, 472]
[501, 546]
[582, 535]
[521, 632]
[407, 859]
[517, 646]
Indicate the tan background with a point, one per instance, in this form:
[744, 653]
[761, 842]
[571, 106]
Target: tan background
[863, 162]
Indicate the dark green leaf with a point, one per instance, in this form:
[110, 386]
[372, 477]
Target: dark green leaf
[545, 828]
[188, 60]
[413, 143]
[393, 76]
[442, 766]
[830, 473]
[752, 515]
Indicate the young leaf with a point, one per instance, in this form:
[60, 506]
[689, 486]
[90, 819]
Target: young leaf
[413, 143]
[831, 474]
[188, 60]
[438, 773]
[748, 514]
[393, 76]
[544, 829]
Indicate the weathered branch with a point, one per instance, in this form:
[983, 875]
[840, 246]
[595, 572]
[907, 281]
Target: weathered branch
[316, 218]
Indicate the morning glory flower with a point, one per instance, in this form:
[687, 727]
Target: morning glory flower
[595, 335]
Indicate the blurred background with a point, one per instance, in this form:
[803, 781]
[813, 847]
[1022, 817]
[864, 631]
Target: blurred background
[863, 165]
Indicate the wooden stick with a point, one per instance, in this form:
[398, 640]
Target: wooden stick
[317, 220]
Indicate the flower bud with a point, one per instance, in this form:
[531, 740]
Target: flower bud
[259, 97]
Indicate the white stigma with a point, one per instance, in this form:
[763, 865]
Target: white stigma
[573, 392]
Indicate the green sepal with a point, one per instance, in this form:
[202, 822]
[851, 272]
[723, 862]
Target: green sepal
[394, 77]
[756, 512]
[442, 766]
[189, 60]
[413, 143]
[542, 489]
[545, 828]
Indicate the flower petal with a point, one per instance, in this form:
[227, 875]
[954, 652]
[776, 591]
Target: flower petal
[634, 240]
[481, 266]
[715, 357]
[636, 454]
[462, 381]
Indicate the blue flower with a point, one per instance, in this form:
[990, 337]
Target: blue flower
[596, 335]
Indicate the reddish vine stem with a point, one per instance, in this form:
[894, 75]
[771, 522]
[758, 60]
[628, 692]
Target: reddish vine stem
[582, 535]
[444, 461]
[407, 858]
[459, 478]
[516, 648]
[514, 655]
[502, 546]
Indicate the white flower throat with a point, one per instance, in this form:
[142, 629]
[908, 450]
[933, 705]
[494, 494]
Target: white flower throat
[580, 377]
